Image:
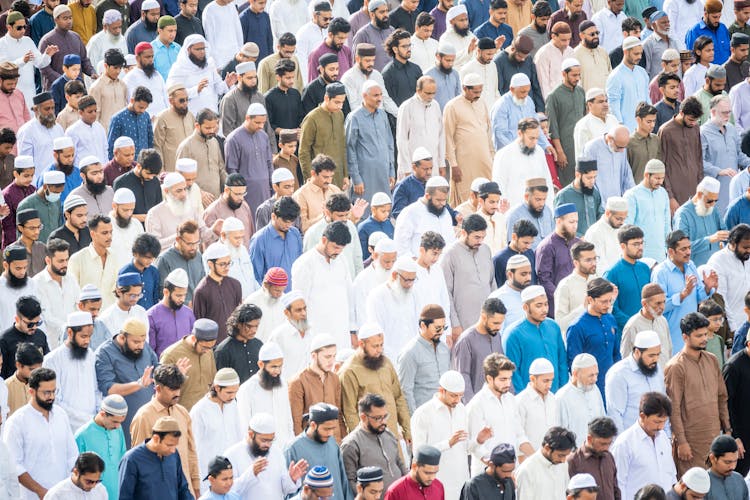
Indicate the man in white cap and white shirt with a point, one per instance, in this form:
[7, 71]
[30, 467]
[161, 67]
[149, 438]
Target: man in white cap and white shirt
[428, 213]
[282, 183]
[481, 65]
[603, 233]
[377, 273]
[125, 227]
[419, 128]
[627, 85]
[294, 336]
[267, 391]
[89, 136]
[537, 405]
[154, 81]
[188, 168]
[442, 422]
[597, 120]
[648, 208]
[73, 362]
[94, 190]
[33, 137]
[695, 483]
[241, 268]
[63, 158]
[469, 206]
[517, 277]
[459, 35]
[260, 469]
[580, 401]
[127, 291]
[393, 305]
[90, 301]
[216, 420]
[633, 376]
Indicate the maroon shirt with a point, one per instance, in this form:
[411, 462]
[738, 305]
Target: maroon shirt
[13, 195]
[112, 170]
[408, 489]
[603, 469]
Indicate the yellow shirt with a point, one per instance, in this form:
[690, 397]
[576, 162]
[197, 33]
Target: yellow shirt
[84, 20]
[18, 393]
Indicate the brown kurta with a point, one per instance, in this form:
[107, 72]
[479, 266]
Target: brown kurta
[306, 389]
[200, 376]
[211, 170]
[468, 144]
[699, 405]
[682, 155]
[219, 209]
[111, 97]
[170, 129]
[518, 17]
[602, 467]
[18, 393]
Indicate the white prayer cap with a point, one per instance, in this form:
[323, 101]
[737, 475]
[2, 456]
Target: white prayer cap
[630, 42]
[23, 161]
[321, 340]
[178, 278]
[111, 16]
[343, 354]
[53, 177]
[594, 92]
[385, 245]
[541, 366]
[88, 160]
[114, 404]
[232, 224]
[437, 181]
[583, 360]
[216, 251]
[452, 381]
[405, 264]
[519, 80]
[570, 62]
[646, 339]
[150, 4]
[369, 330]
[373, 239]
[269, 351]
[123, 142]
[280, 175]
[256, 109]
[617, 204]
[518, 260]
[59, 10]
[421, 153]
[670, 55]
[477, 183]
[582, 481]
[73, 201]
[245, 67]
[446, 49]
[172, 179]
[187, 165]
[79, 318]
[89, 292]
[471, 80]
[368, 85]
[532, 292]
[123, 196]
[63, 142]
[263, 423]
[130, 60]
[709, 185]
[697, 480]
[379, 199]
[455, 11]
[226, 377]
[289, 298]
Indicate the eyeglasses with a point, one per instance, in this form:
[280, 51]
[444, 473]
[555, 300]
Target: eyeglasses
[190, 243]
[20, 28]
[34, 228]
[380, 418]
[407, 280]
[222, 264]
[134, 296]
[719, 321]
[46, 394]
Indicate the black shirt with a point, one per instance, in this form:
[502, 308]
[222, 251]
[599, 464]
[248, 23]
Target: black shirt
[615, 58]
[313, 96]
[736, 73]
[62, 232]
[284, 108]
[187, 27]
[242, 356]
[147, 193]
[401, 80]
[9, 341]
[400, 18]
[484, 486]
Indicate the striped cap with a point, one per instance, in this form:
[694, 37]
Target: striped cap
[319, 477]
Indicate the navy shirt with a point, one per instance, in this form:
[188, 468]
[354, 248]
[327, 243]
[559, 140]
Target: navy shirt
[407, 191]
[596, 336]
[368, 226]
[151, 280]
[500, 260]
[257, 28]
[146, 476]
[489, 30]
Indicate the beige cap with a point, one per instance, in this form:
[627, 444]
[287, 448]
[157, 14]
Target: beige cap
[134, 327]
[166, 424]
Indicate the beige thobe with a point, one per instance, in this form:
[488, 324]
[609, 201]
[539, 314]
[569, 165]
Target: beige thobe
[111, 97]
[162, 223]
[211, 170]
[170, 129]
[595, 66]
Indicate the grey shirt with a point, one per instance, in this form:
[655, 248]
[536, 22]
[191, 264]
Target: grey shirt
[468, 358]
[420, 365]
[470, 278]
[362, 448]
[171, 259]
[726, 488]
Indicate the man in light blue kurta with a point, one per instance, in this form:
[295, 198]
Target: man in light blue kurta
[699, 219]
[544, 221]
[627, 85]
[648, 208]
[609, 151]
[507, 112]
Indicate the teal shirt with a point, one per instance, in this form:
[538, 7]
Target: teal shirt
[527, 342]
[110, 446]
[49, 213]
[164, 56]
[630, 280]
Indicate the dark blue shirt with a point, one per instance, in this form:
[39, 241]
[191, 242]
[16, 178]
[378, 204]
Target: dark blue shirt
[596, 336]
[720, 37]
[137, 127]
[740, 338]
[489, 30]
[407, 191]
[500, 260]
[257, 28]
[268, 249]
[368, 226]
[507, 66]
[145, 476]
[41, 24]
[58, 92]
[151, 284]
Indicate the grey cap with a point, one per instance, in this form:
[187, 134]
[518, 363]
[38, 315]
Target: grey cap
[114, 404]
[205, 329]
[716, 71]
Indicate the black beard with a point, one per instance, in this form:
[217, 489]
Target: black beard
[586, 191]
[375, 430]
[269, 382]
[326, 79]
[256, 451]
[592, 44]
[518, 285]
[66, 169]
[201, 63]
[233, 204]
[14, 282]
[444, 70]
[373, 363]
[172, 304]
[527, 150]
[540, 29]
[129, 353]
[76, 351]
[670, 100]
[248, 91]
[122, 222]
[149, 69]
[382, 24]
[95, 188]
[8, 92]
[45, 405]
[149, 25]
[649, 372]
[57, 271]
[434, 210]
[317, 438]
[364, 71]
[712, 92]
[207, 137]
[534, 212]
[575, 17]
[461, 31]
[741, 256]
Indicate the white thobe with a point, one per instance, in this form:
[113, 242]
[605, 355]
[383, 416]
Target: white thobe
[351, 254]
[223, 30]
[123, 239]
[34, 139]
[327, 289]
[538, 478]
[419, 124]
[501, 415]
[694, 78]
[353, 80]
[43, 447]
[606, 244]
[488, 74]
[137, 78]
[66, 490]
[415, 220]
[430, 288]
[252, 399]
[683, 16]
[9, 297]
[272, 309]
[4, 409]
[287, 16]
[215, 428]
[423, 52]
[610, 28]
[434, 424]
[101, 42]
[624, 385]
[113, 317]
[591, 127]
[512, 300]
[9, 486]
[461, 43]
[496, 236]
[242, 269]
[734, 283]
[397, 315]
[273, 483]
[191, 75]
[79, 393]
[537, 414]
[14, 51]
[577, 408]
[364, 283]
[295, 347]
[511, 168]
[642, 460]
[309, 37]
[89, 140]
[57, 302]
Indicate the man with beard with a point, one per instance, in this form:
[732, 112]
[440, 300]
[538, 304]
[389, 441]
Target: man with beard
[29, 224]
[314, 94]
[322, 130]
[570, 294]
[693, 381]
[594, 459]
[171, 317]
[145, 28]
[39, 437]
[648, 208]
[90, 301]
[133, 121]
[231, 204]
[459, 34]
[334, 43]
[439, 13]
[217, 294]
[267, 298]
[573, 16]
[497, 480]
[270, 476]
[655, 44]
[506, 114]
[240, 349]
[737, 67]
[681, 142]
[74, 361]
[56, 289]
[371, 443]
[649, 318]
[363, 71]
[544, 474]
[447, 79]
[74, 231]
[580, 401]
[732, 260]
[700, 220]
[67, 42]
[241, 267]
[172, 125]
[35, 137]
[377, 273]
[634, 376]
[428, 213]
[603, 233]
[86, 476]
[94, 191]
[594, 59]
[596, 122]
[126, 228]
[535, 209]
[294, 335]
[713, 86]
[710, 25]
[421, 481]
[24, 328]
[194, 69]
[375, 33]
[14, 282]
[63, 152]
[400, 75]
[110, 37]
[15, 110]
[143, 182]
[146, 75]
[267, 391]
[583, 194]
[123, 159]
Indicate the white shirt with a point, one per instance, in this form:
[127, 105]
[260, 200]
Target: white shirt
[101, 42]
[252, 399]
[606, 244]
[396, 313]
[8, 480]
[86, 266]
[9, 297]
[415, 220]
[434, 424]
[488, 74]
[123, 239]
[537, 414]
[372, 276]
[66, 490]
[501, 415]
[14, 51]
[695, 77]
[496, 236]
[511, 168]
[419, 124]
[327, 289]
[430, 288]
[461, 43]
[734, 283]
[309, 37]
[287, 16]
[34, 139]
[512, 300]
[423, 52]
[113, 317]
[273, 312]
[683, 16]
[57, 302]
[353, 80]
[271, 484]
[215, 428]
[78, 391]
[43, 447]
[221, 24]
[570, 296]
[610, 28]
[577, 408]
[590, 127]
[295, 347]
[137, 78]
[642, 460]
[89, 140]
[242, 268]
[190, 75]
[538, 478]
[4, 409]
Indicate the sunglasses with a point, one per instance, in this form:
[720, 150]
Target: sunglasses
[182, 101]
[20, 28]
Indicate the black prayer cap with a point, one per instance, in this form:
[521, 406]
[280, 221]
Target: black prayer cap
[489, 188]
[14, 253]
[503, 454]
[485, 43]
[327, 59]
[23, 216]
[427, 455]
[740, 39]
[723, 444]
[43, 97]
[335, 88]
[323, 412]
[585, 166]
[371, 474]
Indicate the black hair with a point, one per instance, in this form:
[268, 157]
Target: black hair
[579, 247]
[629, 232]
[29, 307]
[710, 307]
[664, 78]
[474, 223]
[602, 427]
[691, 322]
[85, 102]
[338, 202]
[150, 159]
[524, 228]
[146, 244]
[493, 306]
[651, 492]
[631, 24]
[74, 87]
[7, 136]
[55, 245]
[242, 314]
[559, 439]
[432, 241]
[113, 57]
[21, 6]
[391, 43]
[169, 376]
[28, 354]
[541, 9]
[89, 462]
[691, 107]
[338, 233]
[738, 233]
[284, 66]
[674, 237]
[655, 403]
[424, 19]
[701, 43]
[39, 375]
[369, 400]
[98, 219]
[206, 115]
[643, 109]
[598, 287]
[142, 94]
[286, 209]
[322, 162]
[341, 25]
[287, 40]
[498, 4]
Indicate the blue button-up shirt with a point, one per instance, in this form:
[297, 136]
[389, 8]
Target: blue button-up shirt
[720, 36]
[630, 280]
[268, 249]
[615, 175]
[595, 335]
[527, 342]
[368, 226]
[136, 126]
[151, 280]
[72, 181]
[699, 230]
[738, 212]
[164, 56]
[624, 386]
[448, 85]
[477, 10]
[625, 89]
[489, 30]
[407, 191]
[505, 115]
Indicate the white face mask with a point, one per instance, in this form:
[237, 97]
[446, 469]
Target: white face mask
[52, 197]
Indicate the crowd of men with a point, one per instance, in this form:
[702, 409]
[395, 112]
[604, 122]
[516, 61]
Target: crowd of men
[315, 249]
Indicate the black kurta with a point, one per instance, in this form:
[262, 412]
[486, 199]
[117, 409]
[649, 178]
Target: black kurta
[737, 379]
[484, 486]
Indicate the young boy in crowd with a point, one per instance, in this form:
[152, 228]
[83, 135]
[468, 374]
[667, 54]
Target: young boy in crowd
[715, 315]
[379, 220]
[74, 90]
[71, 71]
[21, 187]
[286, 157]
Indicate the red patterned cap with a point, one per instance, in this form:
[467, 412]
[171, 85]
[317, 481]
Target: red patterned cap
[276, 276]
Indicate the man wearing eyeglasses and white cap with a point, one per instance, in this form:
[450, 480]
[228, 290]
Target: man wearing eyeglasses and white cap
[125, 228]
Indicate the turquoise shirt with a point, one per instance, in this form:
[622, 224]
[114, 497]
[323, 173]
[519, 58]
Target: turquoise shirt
[110, 446]
[527, 342]
[164, 56]
[630, 280]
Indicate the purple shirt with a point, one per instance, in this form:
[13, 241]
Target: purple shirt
[167, 326]
[344, 55]
[440, 24]
[13, 195]
[553, 263]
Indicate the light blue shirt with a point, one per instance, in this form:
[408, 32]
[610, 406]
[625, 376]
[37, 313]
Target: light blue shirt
[699, 230]
[210, 495]
[624, 386]
[512, 301]
[615, 175]
[625, 89]
[505, 115]
[164, 56]
[739, 184]
[649, 210]
[544, 224]
[448, 85]
[722, 149]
